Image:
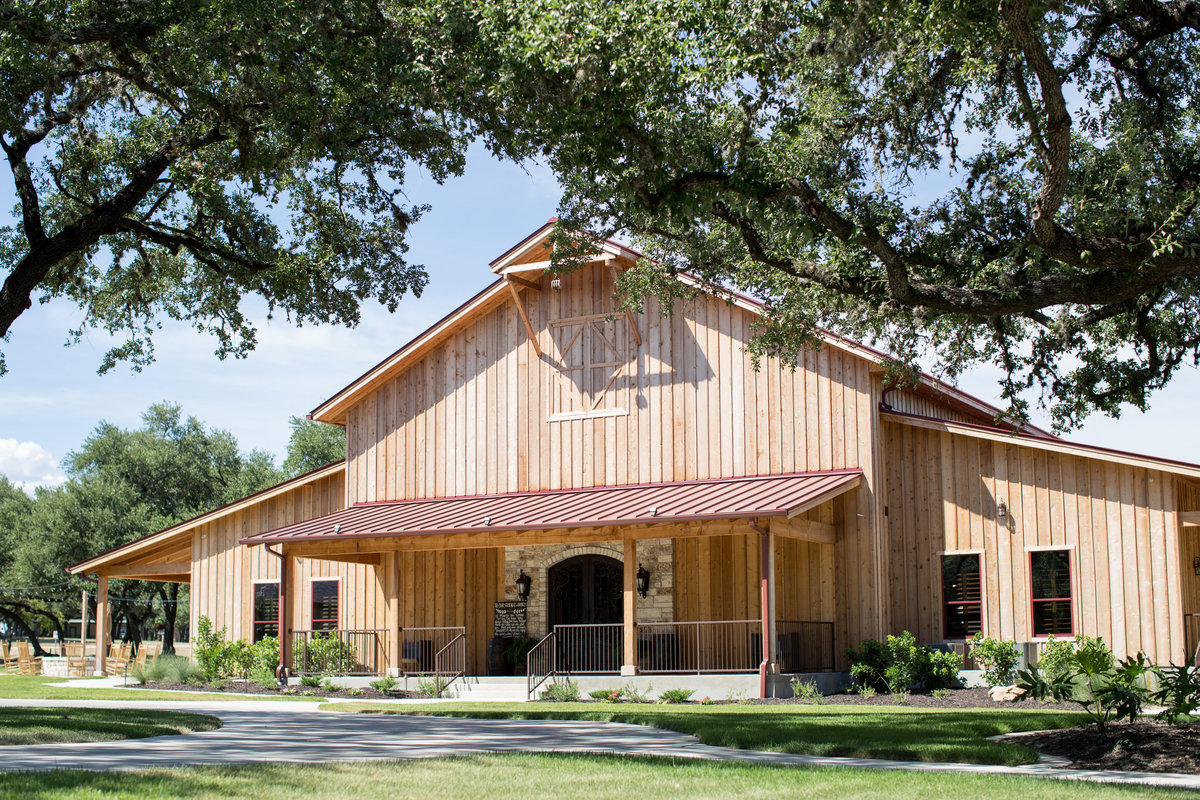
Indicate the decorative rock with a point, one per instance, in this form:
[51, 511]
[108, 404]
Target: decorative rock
[1005, 694]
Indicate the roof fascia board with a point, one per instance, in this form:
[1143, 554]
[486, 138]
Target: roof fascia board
[1043, 443]
[858, 349]
[334, 409]
[187, 526]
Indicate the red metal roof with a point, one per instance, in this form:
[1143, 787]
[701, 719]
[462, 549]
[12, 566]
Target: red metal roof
[723, 498]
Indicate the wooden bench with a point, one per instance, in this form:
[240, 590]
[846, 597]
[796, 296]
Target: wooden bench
[147, 652]
[77, 662]
[118, 659]
[27, 662]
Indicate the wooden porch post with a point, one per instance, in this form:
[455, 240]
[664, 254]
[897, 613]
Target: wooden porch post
[285, 639]
[629, 667]
[390, 565]
[772, 614]
[101, 623]
[83, 617]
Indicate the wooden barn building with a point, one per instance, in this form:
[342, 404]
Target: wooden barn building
[631, 492]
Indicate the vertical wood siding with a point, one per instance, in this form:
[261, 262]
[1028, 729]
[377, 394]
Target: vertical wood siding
[472, 417]
[1118, 521]
[223, 570]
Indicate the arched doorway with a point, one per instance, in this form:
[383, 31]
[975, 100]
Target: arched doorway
[585, 590]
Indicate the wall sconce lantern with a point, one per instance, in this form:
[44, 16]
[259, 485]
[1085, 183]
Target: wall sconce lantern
[643, 580]
[1196, 564]
[1001, 509]
[523, 584]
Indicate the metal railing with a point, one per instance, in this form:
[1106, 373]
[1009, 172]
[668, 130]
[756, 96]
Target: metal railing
[804, 646]
[539, 664]
[420, 648]
[450, 662]
[588, 649]
[1191, 639]
[575, 650]
[340, 652]
[733, 645]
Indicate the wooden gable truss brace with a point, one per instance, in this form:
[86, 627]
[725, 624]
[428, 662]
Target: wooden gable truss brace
[633, 328]
[513, 283]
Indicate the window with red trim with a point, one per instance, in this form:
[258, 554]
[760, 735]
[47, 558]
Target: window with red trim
[962, 596]
[266, 610]
[324, 605]
[1050, 583]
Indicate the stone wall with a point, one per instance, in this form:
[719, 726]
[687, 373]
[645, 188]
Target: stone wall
[654, 554]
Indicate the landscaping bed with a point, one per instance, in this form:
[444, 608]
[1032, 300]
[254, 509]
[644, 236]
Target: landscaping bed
[1144, 746]
[950, 698]
[251, 687]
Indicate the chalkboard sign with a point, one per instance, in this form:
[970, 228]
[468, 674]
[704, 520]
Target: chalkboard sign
[510, 618]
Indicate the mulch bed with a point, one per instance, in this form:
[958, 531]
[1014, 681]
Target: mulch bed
[250, 687]
[1142, 746]
[954, 698]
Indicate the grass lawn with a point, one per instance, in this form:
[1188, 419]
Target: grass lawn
[520, 777]
[35, 687]
[910, 734]
[51, 725]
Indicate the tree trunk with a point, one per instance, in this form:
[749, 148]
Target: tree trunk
[19, 622]
[170, 608]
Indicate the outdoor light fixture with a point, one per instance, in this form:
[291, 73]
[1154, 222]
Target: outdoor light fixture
[523, 584]
[643, 580]
[1002, 509]
[1196, 564]
[556, 282]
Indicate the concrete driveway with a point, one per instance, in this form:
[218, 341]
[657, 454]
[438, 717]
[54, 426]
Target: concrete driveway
[297, 732]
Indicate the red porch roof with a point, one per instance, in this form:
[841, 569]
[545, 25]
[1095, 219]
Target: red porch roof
[683, 501]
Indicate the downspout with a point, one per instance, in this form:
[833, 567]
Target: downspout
[281, 672]
[765, 565]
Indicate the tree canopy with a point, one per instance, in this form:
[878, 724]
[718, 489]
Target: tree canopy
[1011, 183]
[313, 445]
[172, 157]
[122, 484]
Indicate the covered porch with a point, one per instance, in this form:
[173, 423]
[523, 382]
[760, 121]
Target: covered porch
[689, 578]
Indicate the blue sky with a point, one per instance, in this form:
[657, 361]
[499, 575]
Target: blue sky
[52, 398]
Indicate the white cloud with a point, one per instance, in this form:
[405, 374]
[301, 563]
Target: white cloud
[28, 464]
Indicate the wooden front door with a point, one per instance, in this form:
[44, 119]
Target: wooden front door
[586, 590]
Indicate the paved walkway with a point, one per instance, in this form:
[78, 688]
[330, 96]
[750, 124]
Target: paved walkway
[298, 732]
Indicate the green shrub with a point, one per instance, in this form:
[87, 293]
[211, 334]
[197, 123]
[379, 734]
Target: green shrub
[899, 664]
[384, 684]
[634, 695]
[676, 695]
[310, 681]
[432, 685]
[209, 649]
[265, 677]
[178, 670]
[939, 670]
[1054, 659]
[807, 691]
[565, 692]
[328, 685]
[868, 664]
[1106, 690]
[1178, 692]
[606, 695]
[906, 659]
[325, 652]
[998, 659]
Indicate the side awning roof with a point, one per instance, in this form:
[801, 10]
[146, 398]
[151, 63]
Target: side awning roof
[683, 501]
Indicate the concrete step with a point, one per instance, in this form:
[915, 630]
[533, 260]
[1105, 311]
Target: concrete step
[501, 689]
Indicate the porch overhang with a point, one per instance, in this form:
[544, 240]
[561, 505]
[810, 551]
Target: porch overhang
[765, 496]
